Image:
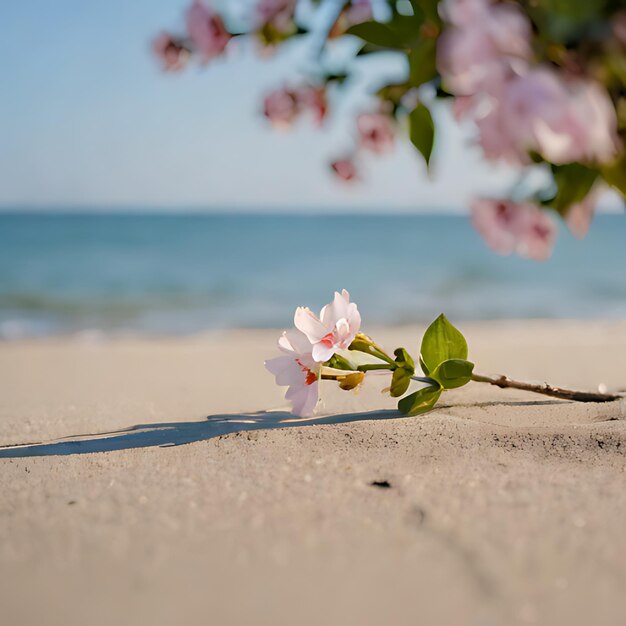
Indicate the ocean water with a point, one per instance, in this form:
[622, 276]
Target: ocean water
[173, 274]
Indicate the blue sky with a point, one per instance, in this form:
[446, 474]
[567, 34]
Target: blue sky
[87, 120]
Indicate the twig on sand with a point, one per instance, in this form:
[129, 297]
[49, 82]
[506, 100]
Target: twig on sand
[547, 390]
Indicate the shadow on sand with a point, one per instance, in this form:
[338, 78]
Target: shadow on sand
[178, 433]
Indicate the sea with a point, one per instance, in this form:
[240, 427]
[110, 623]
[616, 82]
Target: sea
[110, 274]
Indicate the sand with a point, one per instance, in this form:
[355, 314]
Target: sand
[498, 508]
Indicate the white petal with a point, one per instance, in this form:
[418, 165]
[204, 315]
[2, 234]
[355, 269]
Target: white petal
[303, 399]
[286, 370]
[294, 341]
[308, 323]
[354, 319]
[321, 352]
[334, 311]
[285, 344]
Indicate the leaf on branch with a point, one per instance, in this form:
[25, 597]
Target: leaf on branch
[453, 373]
[400, 381]
[573, 183]
[339, 362]
[422, 65]
[401, 377]
[419, 402]
[398, 34]
[422, 131]
[441, 342]
[615, 175]
[377, 34]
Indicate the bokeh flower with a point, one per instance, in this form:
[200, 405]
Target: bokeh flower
[281, 108]
[278, 13]
[344, 169]
[514, 227]
[206, 30]
[172, 55]
[482, 44]
[376, 132]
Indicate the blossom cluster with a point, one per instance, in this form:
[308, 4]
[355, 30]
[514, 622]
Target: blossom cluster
[543, 84]
[331, 347]
[312, 342]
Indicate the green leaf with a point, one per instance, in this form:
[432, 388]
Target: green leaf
[401, 377]
[400, 33]
[404, 360]
[339, 362]
[453, 373]
[377, 34]
[429, 8]
[422, 66]
[420, 402]
[424, 366]
[442, 341]
[615, 175]
[422, 131]
[400, 381]
[406, 29]
[573, 182]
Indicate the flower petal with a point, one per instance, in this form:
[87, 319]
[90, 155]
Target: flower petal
[303, 399]
[308, 323]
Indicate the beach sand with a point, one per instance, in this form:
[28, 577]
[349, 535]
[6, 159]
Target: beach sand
[498, 508]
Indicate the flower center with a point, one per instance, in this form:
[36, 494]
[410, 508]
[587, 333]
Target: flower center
[327, 340]
[311, 376]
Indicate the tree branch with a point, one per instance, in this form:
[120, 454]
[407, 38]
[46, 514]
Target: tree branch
[547, 390]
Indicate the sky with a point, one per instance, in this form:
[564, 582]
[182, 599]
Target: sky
[88, 121]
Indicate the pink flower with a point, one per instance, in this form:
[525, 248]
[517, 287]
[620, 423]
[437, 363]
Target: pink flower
[335, 329]
[358, 12]
[278, 13]
[376, 132]
[281, 108]
[345, 169]
[484, 43]
[313, 99]
[298, 371]
[578, 217]
[206, 30]
[539, 111]
[172, 55]
[511, 227]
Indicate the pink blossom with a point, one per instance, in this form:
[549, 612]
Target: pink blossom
[313, 99]
[483, 44]
[344, 169]
[172, 55]
[463, 12]
[281, 108]
[335, 329]
[359, 11]
[298, 371]
[579, 216]
[206, 30]
[541, 112]
[376, 132]
[278, 13]
[510, 227]
[564, 122]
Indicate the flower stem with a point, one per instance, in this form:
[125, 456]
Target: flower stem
[547, 390]
[368, 367]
